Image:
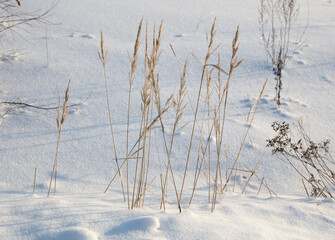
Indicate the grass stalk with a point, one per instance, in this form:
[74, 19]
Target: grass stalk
[131, 81]
[157, 98]
[60, 121]
[137, 161]
[248, 125]
[253, 172]
[147, 101]
[132, 151]
[303, 183]
[103, 58]
[201, 150]
[260, 186]
[208, 54]
[219, 127]
[148, 162]
[179, 107]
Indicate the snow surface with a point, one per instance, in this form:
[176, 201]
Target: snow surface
[80, 210]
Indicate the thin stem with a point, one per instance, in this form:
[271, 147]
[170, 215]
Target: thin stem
[103, 58]
[209, 52]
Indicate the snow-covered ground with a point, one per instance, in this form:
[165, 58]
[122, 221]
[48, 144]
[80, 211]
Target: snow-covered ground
[86, 164]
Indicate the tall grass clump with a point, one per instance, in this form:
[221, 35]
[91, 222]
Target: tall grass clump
[208, 123]
[63, 112]
[140, 150]
[150, 82]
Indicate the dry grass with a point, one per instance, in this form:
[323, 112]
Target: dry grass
[103, 57]
[179, 106]
[63, 112]
[208, 55]
[312, 161]
[279, 16]
[211, 124]
[131, 81]
[218, 124]
[13, 18]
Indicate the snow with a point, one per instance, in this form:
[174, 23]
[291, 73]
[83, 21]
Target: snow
[81, 210]
[83, 216]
